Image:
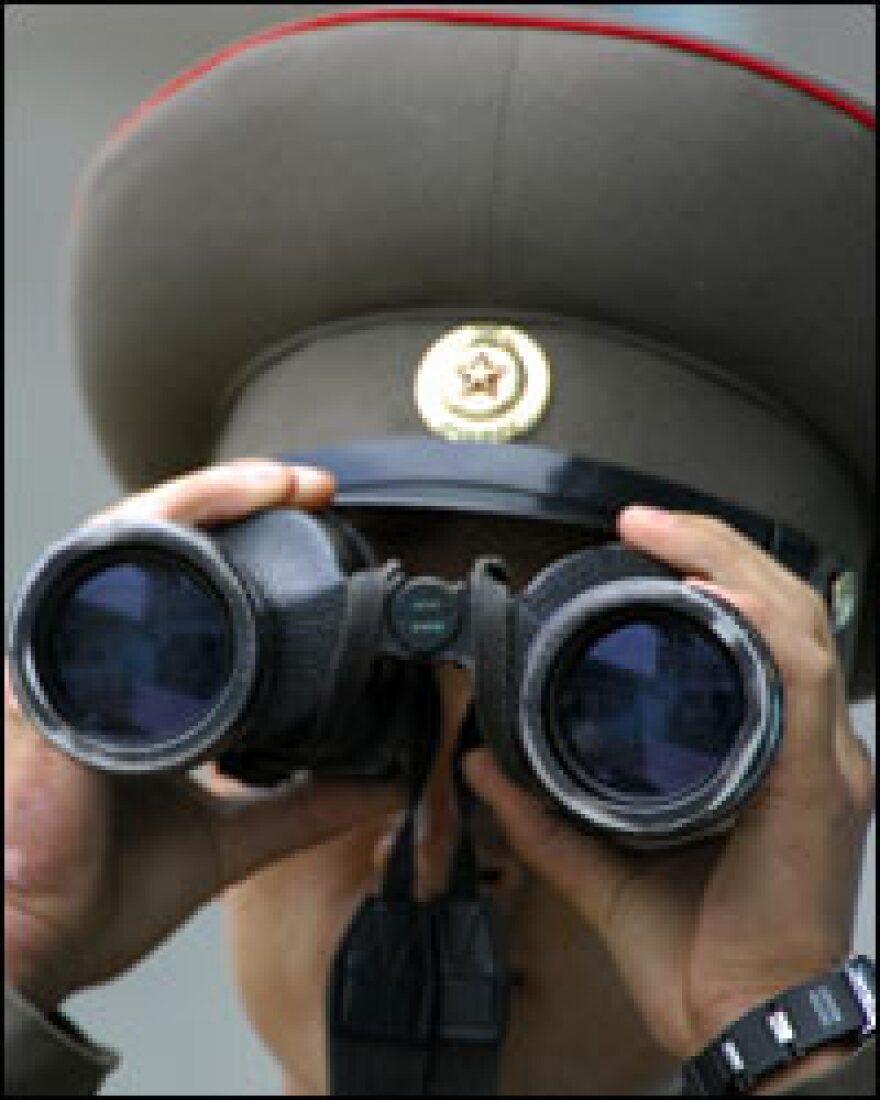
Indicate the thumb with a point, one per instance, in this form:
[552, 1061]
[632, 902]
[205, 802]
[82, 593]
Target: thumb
[253, 830]
[585, 869]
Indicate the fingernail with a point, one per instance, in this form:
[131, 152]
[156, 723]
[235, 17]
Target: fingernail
[643, 513]
[387, 839]
[310, 481]
[11, 701]
[264, 473]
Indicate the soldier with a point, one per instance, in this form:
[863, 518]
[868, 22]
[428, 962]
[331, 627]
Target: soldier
[487, 279]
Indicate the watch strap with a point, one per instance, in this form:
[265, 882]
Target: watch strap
[837, 1006]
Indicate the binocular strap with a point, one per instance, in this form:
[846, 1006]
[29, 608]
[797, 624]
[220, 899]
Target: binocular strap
[418, 991]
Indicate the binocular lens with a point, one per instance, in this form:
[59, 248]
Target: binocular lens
[140, 650]
[651, 707]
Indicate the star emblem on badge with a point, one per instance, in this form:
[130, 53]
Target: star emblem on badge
[480, 376]
[484, 382]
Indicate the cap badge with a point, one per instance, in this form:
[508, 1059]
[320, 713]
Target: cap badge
[483, 382]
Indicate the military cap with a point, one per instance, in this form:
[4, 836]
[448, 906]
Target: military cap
[312, 237]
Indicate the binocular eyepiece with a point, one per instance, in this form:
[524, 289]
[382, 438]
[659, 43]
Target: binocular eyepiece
[636, 703]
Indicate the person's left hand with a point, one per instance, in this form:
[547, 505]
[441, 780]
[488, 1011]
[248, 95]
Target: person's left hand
[701, 935]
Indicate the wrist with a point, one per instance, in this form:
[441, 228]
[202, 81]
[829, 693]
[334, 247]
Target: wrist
[804, 1069]
[737, 1000]
[724, 1010]
[772, 1041]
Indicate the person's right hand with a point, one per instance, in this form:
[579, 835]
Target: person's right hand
[100, 869]
[703, 933]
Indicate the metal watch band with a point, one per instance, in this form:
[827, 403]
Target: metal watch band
[836, 1006]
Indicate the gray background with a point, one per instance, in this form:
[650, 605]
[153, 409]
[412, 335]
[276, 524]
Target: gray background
[72, 71]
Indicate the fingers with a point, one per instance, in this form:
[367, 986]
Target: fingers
[706, 547]
[226, 492]
[209, 776]
[811, 687]
[251, 830]
[786, 612]
[692, 543]
[54, 809]
[584, 868]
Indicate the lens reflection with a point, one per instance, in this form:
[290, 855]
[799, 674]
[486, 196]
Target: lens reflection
[140, 649]
[651, 707]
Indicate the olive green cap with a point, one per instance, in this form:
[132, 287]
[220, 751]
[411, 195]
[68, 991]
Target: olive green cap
[264, 252]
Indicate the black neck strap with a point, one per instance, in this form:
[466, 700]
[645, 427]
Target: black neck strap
[417, 993]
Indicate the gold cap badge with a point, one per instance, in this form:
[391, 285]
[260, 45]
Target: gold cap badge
[483, 382]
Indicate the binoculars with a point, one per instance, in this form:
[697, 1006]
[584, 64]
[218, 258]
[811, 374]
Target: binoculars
[637, 704]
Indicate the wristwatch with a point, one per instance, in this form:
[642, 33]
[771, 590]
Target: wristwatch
[838, 1006]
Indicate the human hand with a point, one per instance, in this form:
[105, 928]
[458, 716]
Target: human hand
[101, 868]
[701, 935]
